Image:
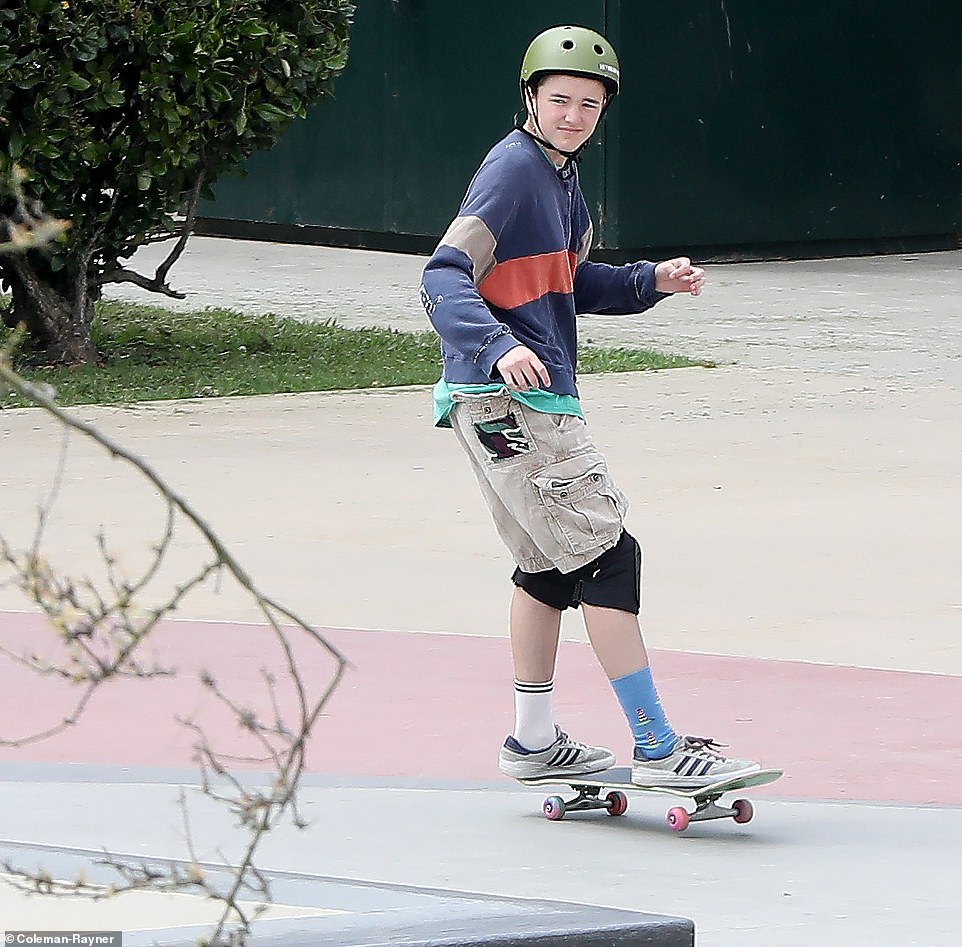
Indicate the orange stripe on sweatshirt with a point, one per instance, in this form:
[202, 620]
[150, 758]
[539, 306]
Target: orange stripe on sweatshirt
[516, 282]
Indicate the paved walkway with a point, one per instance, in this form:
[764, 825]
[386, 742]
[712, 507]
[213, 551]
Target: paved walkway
[799, 506]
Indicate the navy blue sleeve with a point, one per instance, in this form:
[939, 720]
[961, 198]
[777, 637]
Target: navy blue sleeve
[468, 330]
[466, 255]
[616, 290]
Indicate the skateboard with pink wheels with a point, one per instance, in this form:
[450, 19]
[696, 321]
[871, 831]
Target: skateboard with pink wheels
[617, 782]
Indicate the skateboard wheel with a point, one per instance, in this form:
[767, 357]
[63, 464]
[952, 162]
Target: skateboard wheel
[617, 802]
[554, 808]
[744, 810]
[678, 818]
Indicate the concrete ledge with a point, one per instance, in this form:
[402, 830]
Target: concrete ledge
[312, 909]
[459, 922]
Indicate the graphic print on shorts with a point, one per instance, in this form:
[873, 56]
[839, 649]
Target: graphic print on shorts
[502, 438]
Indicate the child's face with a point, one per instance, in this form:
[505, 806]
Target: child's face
[568, 109]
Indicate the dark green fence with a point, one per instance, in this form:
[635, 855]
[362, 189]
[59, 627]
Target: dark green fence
[745, 129]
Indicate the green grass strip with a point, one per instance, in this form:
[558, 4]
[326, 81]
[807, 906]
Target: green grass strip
[154, 354]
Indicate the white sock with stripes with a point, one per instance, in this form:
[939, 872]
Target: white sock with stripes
[534, 714]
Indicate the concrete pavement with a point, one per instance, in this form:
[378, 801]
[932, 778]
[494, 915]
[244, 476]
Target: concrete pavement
[799, 506]
[885, 317]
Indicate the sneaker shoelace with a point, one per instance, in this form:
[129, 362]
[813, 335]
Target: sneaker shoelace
[704, 747]
[573, 743]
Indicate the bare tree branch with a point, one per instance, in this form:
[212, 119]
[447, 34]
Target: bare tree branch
[158, 282]
[151, 284]
[101, 631]
[188, 227]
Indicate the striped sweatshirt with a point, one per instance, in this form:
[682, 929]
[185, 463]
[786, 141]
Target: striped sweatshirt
[513, 269]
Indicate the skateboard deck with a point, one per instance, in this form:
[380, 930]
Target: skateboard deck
[618, 781]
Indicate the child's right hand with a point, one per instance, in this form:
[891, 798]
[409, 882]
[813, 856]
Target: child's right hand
[522, 370]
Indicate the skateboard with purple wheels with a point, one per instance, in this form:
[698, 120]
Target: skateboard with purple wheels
[617, 782]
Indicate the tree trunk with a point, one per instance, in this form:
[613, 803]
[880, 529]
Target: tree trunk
[58, 317]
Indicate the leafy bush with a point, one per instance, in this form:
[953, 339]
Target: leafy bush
[126, 111]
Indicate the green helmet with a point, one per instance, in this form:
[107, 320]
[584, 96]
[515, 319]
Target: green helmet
[575, 50]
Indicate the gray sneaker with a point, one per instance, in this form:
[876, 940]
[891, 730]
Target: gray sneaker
[565, 757]
[693, 763]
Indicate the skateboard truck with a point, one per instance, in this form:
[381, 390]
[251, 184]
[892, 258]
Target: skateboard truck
[589, 797]
[706, 808]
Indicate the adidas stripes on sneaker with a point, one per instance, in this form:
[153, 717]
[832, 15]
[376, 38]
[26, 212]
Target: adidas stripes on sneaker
[694, 762]
[565, 757]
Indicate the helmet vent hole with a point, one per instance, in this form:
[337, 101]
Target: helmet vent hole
[599, 50]
[568, 44]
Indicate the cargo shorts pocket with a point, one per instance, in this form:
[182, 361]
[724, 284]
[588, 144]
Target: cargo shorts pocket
[583, 506]
[498, 424]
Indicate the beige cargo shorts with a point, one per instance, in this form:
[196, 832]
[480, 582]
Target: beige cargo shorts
[547, 486]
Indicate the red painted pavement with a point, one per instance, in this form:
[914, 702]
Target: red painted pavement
[438, 706]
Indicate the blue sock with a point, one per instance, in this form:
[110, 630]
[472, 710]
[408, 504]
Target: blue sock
[654, 737]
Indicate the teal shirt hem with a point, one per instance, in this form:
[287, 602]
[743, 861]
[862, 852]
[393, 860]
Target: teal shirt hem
[538, 399]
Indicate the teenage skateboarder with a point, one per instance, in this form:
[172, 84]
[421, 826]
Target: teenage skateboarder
[502, 290]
